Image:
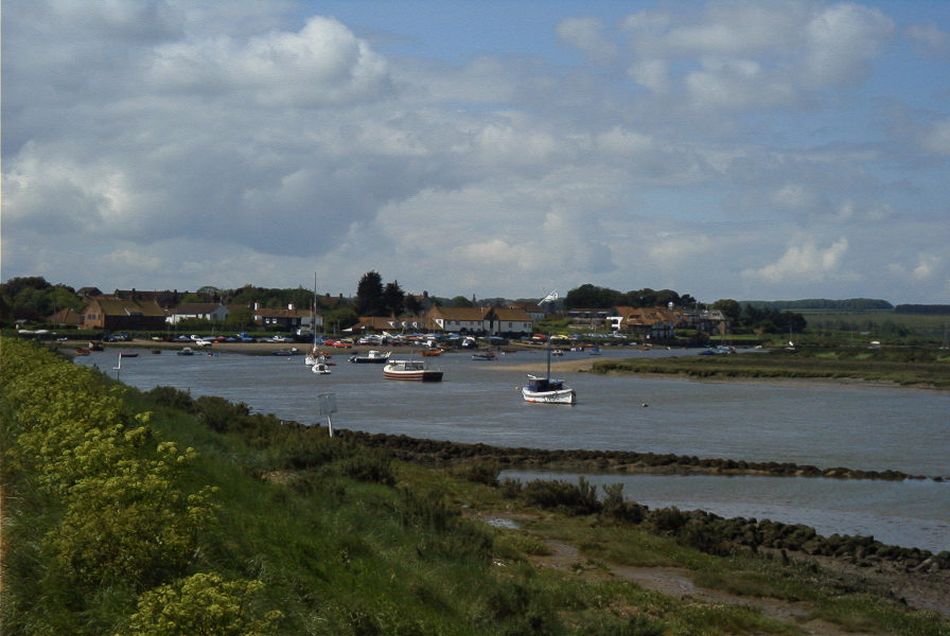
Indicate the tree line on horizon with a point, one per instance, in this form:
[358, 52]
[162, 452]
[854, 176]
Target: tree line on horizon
[33, 298]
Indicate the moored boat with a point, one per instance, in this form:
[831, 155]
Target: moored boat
[415, 370]
[372, 356]
[547, 391]
[320, 368]
[186, 351]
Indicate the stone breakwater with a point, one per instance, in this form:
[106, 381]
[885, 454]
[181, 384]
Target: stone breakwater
[606, 461]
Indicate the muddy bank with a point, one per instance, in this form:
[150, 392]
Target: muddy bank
[443, 453]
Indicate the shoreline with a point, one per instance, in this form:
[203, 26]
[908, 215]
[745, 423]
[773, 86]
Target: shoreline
[587, 366]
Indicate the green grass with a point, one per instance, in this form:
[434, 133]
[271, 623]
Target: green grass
[911, 366]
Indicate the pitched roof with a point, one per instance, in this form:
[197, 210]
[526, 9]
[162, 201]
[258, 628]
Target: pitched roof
[648, 316]
[265, 312]
[385, 323]
[188, 309]
[512, 314]
[115, 307]
[468, 314]
[65, 316]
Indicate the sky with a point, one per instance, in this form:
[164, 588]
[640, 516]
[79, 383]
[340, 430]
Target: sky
[743, 149]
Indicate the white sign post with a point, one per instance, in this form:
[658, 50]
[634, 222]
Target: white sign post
[327, 403]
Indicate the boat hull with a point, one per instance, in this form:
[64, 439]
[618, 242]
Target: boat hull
[423, 375]
[560, 396]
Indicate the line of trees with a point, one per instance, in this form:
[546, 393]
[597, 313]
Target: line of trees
[848, 304]
[922, 309]
[594, 297]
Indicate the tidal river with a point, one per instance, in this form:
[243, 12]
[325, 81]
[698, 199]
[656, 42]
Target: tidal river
[826, 425]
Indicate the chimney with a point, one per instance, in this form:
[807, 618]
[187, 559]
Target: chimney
[290, 306]
[257, 305]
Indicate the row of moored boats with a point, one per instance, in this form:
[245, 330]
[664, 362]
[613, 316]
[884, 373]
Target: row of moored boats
[537, 389]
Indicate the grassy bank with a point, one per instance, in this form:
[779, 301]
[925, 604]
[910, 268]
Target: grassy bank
[268, 528]
[904, 366]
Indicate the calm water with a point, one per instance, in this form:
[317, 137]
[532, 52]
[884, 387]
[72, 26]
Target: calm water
[824, 425]
[913, 514]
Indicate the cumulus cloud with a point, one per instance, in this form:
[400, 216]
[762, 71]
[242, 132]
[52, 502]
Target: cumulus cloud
[585, 35]
[321, 64]
[755, 54]
[803, 262]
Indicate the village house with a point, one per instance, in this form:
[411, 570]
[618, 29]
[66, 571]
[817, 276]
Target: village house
[468, 320]
[112, 314]
[588, 318]
[710, 321]
[648, 323]
[480, 321]
[379, 324]
[290, 319]
[535, 311]
[65, 318]
[510, 322]
[212, 312]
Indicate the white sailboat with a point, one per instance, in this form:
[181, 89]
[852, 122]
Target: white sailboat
[315, 357]
[547, 390]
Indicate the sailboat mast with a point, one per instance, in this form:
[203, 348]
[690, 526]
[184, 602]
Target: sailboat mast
[549, 357]
[313, 312]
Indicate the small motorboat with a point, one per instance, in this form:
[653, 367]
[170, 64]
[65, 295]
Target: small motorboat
[372, 356]
[415, 370]
[320, 368]
[484, 355]
[186, 351]
[80, 351]
[547, 391]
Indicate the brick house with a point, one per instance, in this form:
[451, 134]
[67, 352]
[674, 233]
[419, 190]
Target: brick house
[112, 314]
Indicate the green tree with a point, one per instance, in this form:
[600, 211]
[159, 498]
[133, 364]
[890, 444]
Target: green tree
[369, 295]
[591, 296]
[413, 306]
[240, 318]
[462, 301]
[730, 309]
[394, 298]
[339, 318]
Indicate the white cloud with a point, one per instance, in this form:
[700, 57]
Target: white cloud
[322, 64]
[585, 35]
[937, 139]
[755, 54]
[930, 37]
[842, 39]
[794, 196]
[925, 267]
[803, 262]
[654, 74]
